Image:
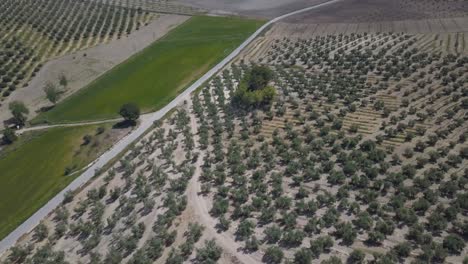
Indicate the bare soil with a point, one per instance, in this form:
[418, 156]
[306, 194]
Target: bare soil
[253, 8]
[352, 11]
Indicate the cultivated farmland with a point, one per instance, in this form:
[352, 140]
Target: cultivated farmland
[362, 156]
[338, 138]
[152, 78]
[65, 151]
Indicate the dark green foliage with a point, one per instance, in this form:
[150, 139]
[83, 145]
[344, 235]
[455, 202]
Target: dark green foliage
[194, 232]
[320, 245]
[272, 234]
[41, 232]
[303, 256]
[252, 244]
[356, 257]
[253, 90]
[46, 254]
[346, 232]
[209, 254]
[220, 207]
[363, 221]
[433, 252]
[245, 229]
[332, 260]
[175, 257]
[19, 111]
[259, 77]
[454, 244]
[223, 224]
[18, 254]
[402, 250]
[52, 93]
[9, 136]
[436, 222]
[273, 255]
[114, 256]
[293, 238]
[375, 237]
[130, 112]
[155, 247]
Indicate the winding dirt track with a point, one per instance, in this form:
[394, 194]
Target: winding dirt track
[201, 210]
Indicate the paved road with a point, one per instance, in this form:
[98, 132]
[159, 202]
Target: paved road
[145, 124]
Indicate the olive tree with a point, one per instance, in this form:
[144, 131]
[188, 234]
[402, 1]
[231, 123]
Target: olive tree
[19, 111]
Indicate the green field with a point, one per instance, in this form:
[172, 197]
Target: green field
[156, 75]
[33, 169]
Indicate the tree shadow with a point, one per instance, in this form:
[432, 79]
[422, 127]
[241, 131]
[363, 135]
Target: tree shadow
[45, 109]
[124, 124]
[10, 122]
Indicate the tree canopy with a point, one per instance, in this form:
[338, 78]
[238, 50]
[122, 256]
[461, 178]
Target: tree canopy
[19, 111]
[258, 77]
[130, 112]
[253, 90]
[52, 93]
[9, 136]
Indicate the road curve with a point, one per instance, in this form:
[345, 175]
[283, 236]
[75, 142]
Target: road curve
[145, 124]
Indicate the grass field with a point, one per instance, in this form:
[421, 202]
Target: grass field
[156, 75]
[33, 169]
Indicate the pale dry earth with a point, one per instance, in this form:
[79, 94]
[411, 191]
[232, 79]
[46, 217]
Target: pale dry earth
[353, 11]
[252, 8]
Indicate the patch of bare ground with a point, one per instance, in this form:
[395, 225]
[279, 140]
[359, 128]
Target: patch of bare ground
[251, 8]
[83, 67]
[160, 6]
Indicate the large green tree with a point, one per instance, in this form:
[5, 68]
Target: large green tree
[9, 136]
[52, 93]
[130, 112]
[19, 111]
[253, 90]
[259, 77]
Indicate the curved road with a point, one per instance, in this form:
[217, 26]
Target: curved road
[146, 123]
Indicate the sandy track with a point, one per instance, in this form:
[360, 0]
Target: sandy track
[200, 208]
[82, 67]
